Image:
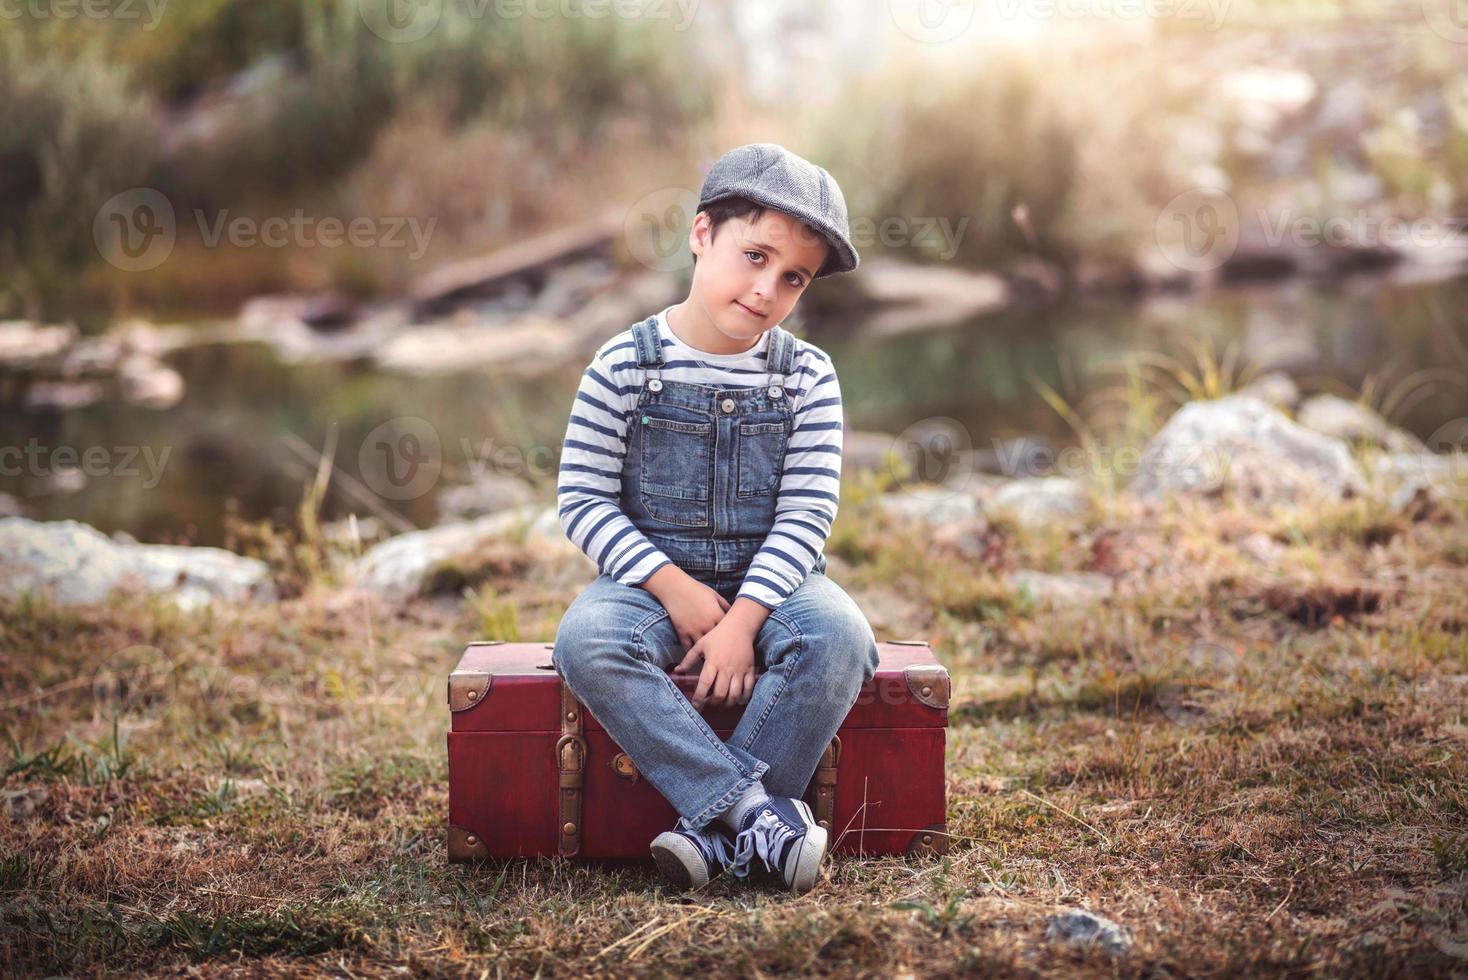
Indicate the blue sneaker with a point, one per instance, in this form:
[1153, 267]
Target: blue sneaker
[690, 858]
[782, 833]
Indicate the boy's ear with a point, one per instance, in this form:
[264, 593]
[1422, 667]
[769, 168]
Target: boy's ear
[700, 234]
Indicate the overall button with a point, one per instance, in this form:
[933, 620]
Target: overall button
[776, 391]
[654, 385]
[728, 405]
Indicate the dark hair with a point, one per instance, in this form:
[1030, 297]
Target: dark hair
[739, 207]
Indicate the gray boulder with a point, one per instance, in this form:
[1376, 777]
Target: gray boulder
[74, 564]
[1037, 501]
[1242, 446]
[1341, 419]
[403, 566]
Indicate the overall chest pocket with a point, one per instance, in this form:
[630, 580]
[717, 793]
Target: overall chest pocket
[677, 465]
[759, 451]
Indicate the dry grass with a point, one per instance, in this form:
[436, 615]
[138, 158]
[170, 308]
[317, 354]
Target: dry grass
[1249, 789]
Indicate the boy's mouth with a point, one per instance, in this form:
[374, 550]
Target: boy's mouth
[746, 309]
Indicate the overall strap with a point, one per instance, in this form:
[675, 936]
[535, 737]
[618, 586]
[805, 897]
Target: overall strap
[781, 359]
[649, 344]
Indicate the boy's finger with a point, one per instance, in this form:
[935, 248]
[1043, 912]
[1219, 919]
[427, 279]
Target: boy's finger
[690, 658]
[700, 693]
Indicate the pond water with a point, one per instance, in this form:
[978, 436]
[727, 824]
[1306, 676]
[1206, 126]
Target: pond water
[240, 430]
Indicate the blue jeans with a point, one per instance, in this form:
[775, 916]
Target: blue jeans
[616, 644]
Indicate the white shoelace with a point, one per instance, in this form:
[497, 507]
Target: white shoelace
[717, 843]
[765, 837]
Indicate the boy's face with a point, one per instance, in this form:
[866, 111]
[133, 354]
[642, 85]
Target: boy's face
[753, 267]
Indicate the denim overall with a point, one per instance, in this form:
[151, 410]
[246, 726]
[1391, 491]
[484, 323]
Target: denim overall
[703, 464]
[700, 481]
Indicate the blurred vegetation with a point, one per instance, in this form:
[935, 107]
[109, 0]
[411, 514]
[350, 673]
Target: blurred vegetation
[501, 127]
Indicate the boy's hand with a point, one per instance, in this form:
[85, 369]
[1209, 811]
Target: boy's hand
[693, 608]
[727, 677]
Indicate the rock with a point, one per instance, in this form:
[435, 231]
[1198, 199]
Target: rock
[926, 296]
[1276, 388]
[279, 321]
[1069, 589]
[1261, 547]
[1243, 446]
[150, 383]
[1341, 419]
[93, 355]
[486, 494]
[402, 566]
[23, 343]
[932, 505]
[1080, 927]
[1037, 501]
[10, 506]
[1445, 474]
[61, 396]
[867, 450]
[75, 564]
[468, 341]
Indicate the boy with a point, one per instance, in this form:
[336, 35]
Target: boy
[701, 472]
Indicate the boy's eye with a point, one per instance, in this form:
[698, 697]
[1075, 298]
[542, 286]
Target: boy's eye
[793, 278]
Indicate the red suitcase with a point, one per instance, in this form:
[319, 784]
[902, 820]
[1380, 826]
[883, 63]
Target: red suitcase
[527, 763]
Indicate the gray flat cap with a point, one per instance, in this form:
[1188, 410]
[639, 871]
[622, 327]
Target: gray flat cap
[771, 175]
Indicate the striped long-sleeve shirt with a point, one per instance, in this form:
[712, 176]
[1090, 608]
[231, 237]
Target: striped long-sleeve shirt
[595, 447]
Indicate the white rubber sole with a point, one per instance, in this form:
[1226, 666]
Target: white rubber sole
[812, 852]
[679, 861]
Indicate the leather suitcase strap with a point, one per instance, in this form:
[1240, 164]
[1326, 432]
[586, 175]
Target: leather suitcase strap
[824, 805]
[570, 767]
